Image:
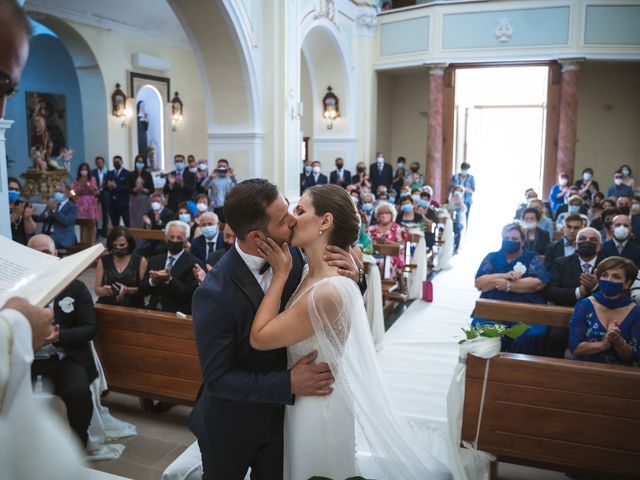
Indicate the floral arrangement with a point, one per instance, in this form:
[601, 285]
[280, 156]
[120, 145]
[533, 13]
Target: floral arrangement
[494, 330]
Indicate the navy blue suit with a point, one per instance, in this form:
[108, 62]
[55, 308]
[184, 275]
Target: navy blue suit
[377, 177]
[238, 416]
[346, 178]
[199, 246]
[63, 224]
[310, 181]
[631, 251]
[119, 207]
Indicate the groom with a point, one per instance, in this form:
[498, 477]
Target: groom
[238, 416]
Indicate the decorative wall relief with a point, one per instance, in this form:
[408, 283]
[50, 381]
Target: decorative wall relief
[504, 30]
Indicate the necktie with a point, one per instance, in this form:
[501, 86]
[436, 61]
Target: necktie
[209, 248]
[170, 262]
[264, 268]
[620, 247]
[586, 267]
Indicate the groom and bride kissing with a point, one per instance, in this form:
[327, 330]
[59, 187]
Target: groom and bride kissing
[285, 350]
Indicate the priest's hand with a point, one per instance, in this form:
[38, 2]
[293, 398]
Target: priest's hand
[39, 319]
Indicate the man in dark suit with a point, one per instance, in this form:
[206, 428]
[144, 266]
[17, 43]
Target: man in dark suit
[180, 184]
[212, 238]
[159, 215]
[169, 278]
[104, 196]
[66, 360]
[567, 244]
[306, 170]
[59, 218]
[340, 176]
[238, 416]
[621, 245]
[380, 173]
[118, 185]
[573, 278]
[623, 204]
[316, 178]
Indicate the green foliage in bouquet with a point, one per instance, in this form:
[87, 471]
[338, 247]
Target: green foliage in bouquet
[495, 330]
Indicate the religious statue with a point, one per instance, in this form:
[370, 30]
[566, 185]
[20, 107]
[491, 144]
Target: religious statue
[143, 126]
[151, 157]
[39, 132]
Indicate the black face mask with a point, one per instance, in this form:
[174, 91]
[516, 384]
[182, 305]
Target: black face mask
[339, 165]
[586, 249]
[117, 166]
[174, 247]
[414, 169]
[120, 252]
[625, 210]
[360, 169]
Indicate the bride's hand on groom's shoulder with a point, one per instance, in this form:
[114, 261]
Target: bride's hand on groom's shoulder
[279, 257]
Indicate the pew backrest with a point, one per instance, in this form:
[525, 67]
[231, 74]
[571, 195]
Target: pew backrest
[144, 233]
[503, 311]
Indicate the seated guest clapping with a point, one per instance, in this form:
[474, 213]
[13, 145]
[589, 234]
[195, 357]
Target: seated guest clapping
[537, 239]
[66, 360]
[210, 240]
[119, 273]
[169, 277]
[605, 327]
[573, 278]
[567, 244]
[621, 244]
[517, 275]
[159, 215]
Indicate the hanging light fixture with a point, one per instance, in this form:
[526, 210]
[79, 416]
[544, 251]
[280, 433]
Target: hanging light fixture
[176, 112]
[331, 104]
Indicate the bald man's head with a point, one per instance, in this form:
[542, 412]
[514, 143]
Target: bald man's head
[15, 29]
[43, 243]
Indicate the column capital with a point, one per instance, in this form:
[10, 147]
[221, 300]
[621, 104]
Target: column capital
[366, 24]
[569, 64]
[4, 126]
[436, 68]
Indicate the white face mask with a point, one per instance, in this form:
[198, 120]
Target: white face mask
[156, 206]
[380, 159]
[316, 170]
[529, 225]
[202, 167]
[202, 207]
[617, 181]
[563, 181]
[193, 169]
[625, 172]
[586, 177]
[621, 233]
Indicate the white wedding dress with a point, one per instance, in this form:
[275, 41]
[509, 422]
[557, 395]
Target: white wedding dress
[319, 432]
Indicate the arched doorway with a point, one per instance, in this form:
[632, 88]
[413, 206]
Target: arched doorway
[149, 134]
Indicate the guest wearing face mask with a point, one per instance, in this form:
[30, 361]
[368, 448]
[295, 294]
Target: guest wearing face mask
[141, 187]
[573, 278]
[340, 176]
[574, 205]
[361, 178]
[605, 327]
[316, 177]
[184, 215]
[400, 174]
[202, 172]
[537, 239]
[59, 218]
[619, 188]
[621, 245]
[117, 184]
[388, 231]
[457, 210]
[218, 184]
[566, 245]
[210, 240]
[465, 180]
[558, 192]
[408, 214]
[624, 204]
[587, 185]
[545, 222]
[86, 190]
[306, 171]
[158, 217]
[119, 273]
[169, 277]
[21, 214]
[414, 179]
[606, 220]
[627, 177]
[366, 209]
[380, 173]
[517, 275]
[180, 184]
[202, 206]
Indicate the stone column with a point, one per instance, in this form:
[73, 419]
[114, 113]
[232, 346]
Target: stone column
[5, 222]
[568, 121]
[434, 129]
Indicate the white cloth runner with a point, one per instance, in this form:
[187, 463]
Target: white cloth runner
[419, 274]
[373, 300]
[445, 254]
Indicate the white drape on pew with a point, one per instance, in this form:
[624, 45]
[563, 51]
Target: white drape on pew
[373, 300]
[419, 274]
[467, 463]
[446, 251]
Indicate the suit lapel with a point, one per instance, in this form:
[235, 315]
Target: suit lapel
[244, 279]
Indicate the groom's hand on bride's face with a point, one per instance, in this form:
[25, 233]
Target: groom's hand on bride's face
[309, 379]
[337, 257]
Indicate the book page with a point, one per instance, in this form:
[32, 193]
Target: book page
[36, 276]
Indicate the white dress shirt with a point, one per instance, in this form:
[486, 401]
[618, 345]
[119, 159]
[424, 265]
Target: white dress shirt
[255, 264]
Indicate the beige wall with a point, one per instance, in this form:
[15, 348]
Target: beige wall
[113, 51]
[608, 119]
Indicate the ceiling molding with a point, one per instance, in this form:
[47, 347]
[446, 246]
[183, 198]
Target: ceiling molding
[35, 6]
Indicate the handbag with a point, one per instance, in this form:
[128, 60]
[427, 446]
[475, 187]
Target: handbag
[427, 291]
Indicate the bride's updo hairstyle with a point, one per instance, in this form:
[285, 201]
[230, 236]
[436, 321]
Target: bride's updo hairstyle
[336, 201]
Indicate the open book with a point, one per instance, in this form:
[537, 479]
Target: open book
[36, 276]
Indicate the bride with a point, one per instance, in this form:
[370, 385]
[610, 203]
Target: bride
[326, 314]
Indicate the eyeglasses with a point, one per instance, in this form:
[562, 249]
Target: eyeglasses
[7, 88]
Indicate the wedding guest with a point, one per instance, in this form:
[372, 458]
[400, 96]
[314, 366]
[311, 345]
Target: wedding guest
[218, 184]
[605, 327]
[566, 245]
[587, 185]
[457, 210]
[180, 184]
[86, 190]
[229, 238]
[414, 179]
[545, 222]
[517, 275]
[306, 171]
[340, 176]
[361, 179]
[619, 187]
[159, 215]
[401, 172]
[169, 278]
[388, 232]
[606, 220]
[380, 173]
[119, 273]
[537, 239]
[621, 244]
[316, 177]
[21, 214]
[119, 188]
[201, 175]
[558, 192]
[408, 214]
[184, 215]
[468, 183]
[202, 204]
[66, 360]
[627, 177]
[59, 218]
[429, 189]
[141, 187]
[210, 240]
[104, 195]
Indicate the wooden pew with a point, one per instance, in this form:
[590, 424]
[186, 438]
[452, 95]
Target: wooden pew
[144, 233]
[148, 353]
[503, 311]
[565, 415]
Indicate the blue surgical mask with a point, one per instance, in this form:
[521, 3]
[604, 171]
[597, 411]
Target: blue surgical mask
[574, 208]
[140, 165]
[367, 207]
[184, 217]
[416, 198]
[400, 164]
[307, 169]
[423, 203]
[209, 231]
[610, 289]
[58, 197]
[391, 200]
[179, 166]
[510, 246]
[14, 195]
[406, 208]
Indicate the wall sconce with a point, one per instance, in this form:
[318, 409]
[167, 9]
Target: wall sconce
[176, 112]
[128, 113]
[331, 105]
[120, 107]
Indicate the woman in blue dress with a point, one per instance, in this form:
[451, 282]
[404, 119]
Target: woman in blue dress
[516, 275]
[605, 327]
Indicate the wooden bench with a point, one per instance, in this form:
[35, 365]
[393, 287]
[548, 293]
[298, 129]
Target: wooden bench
[144, 233]
[148, 353]
[565, 415]
[503, 311]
